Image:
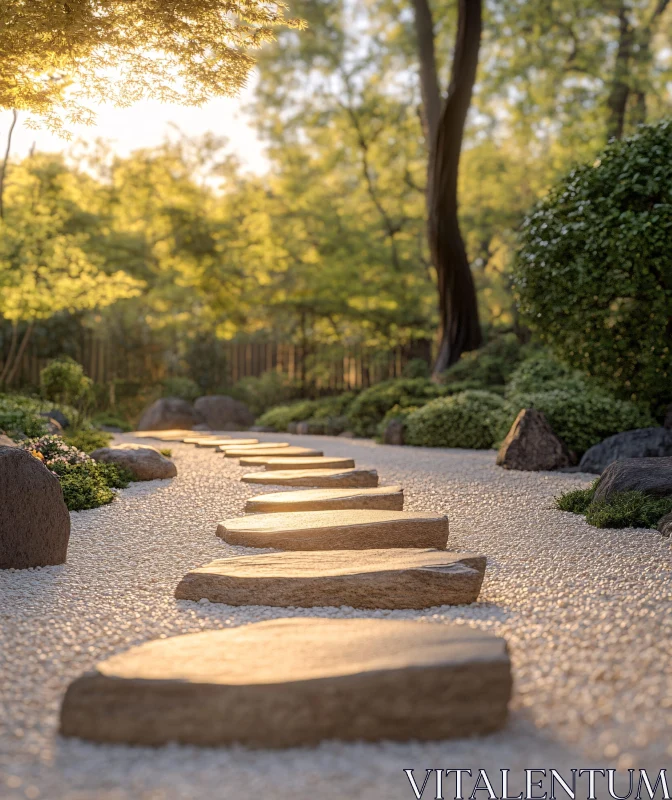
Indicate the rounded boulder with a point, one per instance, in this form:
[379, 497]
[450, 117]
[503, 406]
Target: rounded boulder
[145, 463]
[34, 523]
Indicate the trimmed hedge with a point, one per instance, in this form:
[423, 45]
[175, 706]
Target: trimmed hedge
[594, 272]
[580, 415]
[468, 419]
[281, 416]
[368, 409]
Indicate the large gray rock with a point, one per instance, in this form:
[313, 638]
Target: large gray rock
[34, 521]
[640, 443]
[296, 682]
[532, 445]
[169, 413]
[223, 413]
[5, 441]
[649, 475]
[146, 463]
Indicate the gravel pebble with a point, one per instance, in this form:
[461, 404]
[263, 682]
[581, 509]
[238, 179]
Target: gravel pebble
[587, 614]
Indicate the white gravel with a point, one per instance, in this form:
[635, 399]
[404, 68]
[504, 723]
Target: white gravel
[587, 614]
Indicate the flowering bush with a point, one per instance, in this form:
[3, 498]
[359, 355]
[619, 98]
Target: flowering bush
[53, 450]
[85, 482]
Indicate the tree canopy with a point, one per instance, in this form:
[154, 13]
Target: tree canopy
[57, 56]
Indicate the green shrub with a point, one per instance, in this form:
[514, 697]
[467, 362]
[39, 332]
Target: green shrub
[64, 381]
[89, 484]
[184, 388]
[280, 416]
[628, 510]
[18, 422]
[369, 407]
[330, 407]
[487, 367]
[166, 451]
[468, 419]
[416, 368]
[576, 501]
[396, 412]
[541, 372]
[87, 440]
[580, 415]
[111, 420]
[269, 389]
[594, 271]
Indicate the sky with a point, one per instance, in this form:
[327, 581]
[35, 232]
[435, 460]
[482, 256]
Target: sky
[146, 124]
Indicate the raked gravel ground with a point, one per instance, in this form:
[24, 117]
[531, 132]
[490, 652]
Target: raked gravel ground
[587, 614]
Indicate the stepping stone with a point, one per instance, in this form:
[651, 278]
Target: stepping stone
[237, 443]
[298, 462]
[296, 682]
[318, 478]
[359, 579]
[347, 529]
[167, 436]
[223, 440]
[390, 498]
[272, 450]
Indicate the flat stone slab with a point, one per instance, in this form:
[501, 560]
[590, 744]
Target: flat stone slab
[222, 440]
[296, 682]
[318, 478]
[272, 450]
[389, 498]
[176, 435]
[237, 443]
[347, 529]
[359, 579]
[298, 462]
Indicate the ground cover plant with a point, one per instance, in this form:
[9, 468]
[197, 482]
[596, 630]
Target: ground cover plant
[622, 510]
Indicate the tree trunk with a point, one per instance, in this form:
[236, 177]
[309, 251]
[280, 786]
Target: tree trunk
[620, 89]
[19, 356]
[459, 324]
[3, 168]
[10, 355]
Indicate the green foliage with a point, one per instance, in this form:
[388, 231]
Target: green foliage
[622, 510]
[87, 440]
[468, 419]
[19, 416]
[263, 392]
[594, 271]
[89, 484]
[487, 367]
[281, 416]
[580, 415]
[628, 510]
[330, 407]
[416, 368]
[369, 407]
[166, 451]
[184, 388]
[541, 372]
[577, 500]
[64, 381]
[396, 412]
[110, 420]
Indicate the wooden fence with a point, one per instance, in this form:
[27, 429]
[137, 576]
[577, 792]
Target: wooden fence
[325, 369]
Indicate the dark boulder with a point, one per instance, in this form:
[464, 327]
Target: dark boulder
[665, 525]
[531, 445]
[34, 521]
[640, 443]
[223, 413]
[394, 432]
[652, 476]
[169, 413]
[59, 416]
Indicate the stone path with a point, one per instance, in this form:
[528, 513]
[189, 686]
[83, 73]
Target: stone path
[299, 462]
[586, 632]
[326, 478]
[273, 450]
[296, 682]
[390, 498]
[358, 579]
